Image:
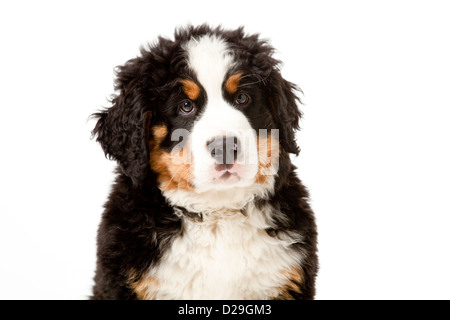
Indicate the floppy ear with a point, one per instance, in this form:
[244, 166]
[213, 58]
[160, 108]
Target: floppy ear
[284, 101]
[121, 129]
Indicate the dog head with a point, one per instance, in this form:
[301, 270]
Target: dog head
[206, 111]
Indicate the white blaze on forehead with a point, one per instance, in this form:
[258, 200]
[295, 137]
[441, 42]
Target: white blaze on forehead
[210, 58]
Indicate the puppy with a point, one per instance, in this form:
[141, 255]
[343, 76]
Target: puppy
[206, 203]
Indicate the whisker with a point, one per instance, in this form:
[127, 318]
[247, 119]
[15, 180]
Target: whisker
[259, 77]
[184, 175]
[173, 176]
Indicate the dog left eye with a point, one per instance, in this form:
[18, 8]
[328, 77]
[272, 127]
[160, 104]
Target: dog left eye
[242, 99]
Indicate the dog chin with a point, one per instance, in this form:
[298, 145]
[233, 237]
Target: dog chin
[238, 176]
[225, 182]
[214, 197]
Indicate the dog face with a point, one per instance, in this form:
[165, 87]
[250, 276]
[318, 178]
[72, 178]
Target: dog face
[208, 111]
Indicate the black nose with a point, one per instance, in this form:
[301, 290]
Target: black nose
[224, 149]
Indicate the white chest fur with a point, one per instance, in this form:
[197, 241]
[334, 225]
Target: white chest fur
[228, 255]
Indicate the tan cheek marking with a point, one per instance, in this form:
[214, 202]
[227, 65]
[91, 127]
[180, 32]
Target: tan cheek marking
[174, 169]
[190, 88]
[268, 154]
[159, 132]
[232, 84]
[294, 278]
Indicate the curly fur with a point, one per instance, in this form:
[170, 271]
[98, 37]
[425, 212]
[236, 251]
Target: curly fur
[142, 223]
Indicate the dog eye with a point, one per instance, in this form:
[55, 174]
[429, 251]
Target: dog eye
[242, 99]
[187, 107]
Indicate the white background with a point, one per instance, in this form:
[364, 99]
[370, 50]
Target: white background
[375, 134]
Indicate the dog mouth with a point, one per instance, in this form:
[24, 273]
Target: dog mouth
[227, 177]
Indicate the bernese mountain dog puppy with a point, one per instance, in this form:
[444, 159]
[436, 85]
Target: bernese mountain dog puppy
[206, 203]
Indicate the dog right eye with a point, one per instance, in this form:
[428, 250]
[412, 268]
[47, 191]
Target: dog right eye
[187, 107]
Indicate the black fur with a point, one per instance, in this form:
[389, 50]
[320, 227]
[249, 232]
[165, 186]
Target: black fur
[138, 225]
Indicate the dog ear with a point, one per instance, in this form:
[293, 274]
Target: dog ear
[283, 101]
[121, 129]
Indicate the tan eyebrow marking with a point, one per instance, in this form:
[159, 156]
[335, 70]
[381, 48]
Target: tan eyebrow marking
[190, 88]
[232, 83]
